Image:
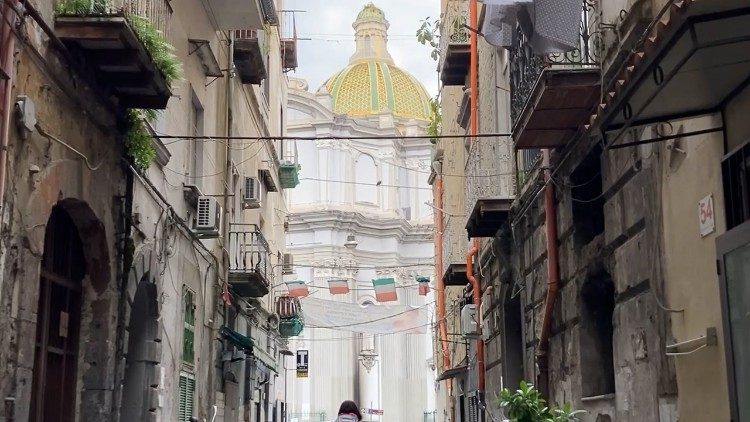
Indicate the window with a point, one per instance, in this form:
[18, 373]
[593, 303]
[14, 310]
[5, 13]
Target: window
[588, 201]
[188, 333]
[366, 176]
[597, 308]
[733, 250]
[735, 171]
[186, 395]
[195, 148]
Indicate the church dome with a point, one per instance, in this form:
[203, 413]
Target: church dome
[373, 86]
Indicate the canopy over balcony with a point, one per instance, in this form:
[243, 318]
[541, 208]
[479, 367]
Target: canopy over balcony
[455, 275]
[488, 216]
[694, 61]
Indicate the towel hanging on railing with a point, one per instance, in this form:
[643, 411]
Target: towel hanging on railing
[550, 26]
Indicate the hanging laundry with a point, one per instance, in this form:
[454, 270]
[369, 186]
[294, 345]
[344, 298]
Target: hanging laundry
[550, 26]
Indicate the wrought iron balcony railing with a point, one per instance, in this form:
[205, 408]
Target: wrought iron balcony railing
[527, 67]
[249, 255]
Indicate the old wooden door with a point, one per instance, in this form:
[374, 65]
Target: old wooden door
[58, 322]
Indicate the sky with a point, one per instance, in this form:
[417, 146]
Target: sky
[329, 24]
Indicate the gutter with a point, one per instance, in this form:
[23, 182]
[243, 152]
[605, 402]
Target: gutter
[7, 46]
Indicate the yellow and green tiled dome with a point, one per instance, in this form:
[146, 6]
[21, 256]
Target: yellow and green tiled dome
[373, 87]
[371, 84]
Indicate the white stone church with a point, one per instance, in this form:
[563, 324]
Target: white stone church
[360, 213]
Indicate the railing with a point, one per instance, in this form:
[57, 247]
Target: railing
[453, 26]
[530, 159]
[249, 251]
[159, 12]
[526, 67]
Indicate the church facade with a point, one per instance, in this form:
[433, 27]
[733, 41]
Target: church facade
[361, 212]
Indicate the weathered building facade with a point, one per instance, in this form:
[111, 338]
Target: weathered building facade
[125, 292]
[599, 280]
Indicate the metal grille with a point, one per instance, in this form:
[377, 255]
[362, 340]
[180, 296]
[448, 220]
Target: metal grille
[204, 212]
[159, 12]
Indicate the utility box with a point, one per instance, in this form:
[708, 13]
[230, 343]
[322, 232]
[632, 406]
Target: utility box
[469, 324]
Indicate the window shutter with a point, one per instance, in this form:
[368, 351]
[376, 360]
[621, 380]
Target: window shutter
[186, 396]
[188, 336]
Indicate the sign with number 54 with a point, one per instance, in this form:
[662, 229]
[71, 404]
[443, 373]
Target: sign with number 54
[706, 215]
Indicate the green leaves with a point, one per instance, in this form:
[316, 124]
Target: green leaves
[527, 405]
[138, 145]
[427, 34]
[161, 52]
[436, 119]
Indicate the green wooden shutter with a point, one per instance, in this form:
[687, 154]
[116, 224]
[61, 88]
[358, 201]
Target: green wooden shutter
[186, 396]
[188, 335]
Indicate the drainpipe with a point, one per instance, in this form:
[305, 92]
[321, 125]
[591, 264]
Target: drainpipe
[477, 299]
[439, 282]
[7, 46]
[473, 128]
[553, 277]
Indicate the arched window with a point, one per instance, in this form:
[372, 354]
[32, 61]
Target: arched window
[366, 178]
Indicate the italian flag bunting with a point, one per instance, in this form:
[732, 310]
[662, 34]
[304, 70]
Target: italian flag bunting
[338, 286]
[424, 285]
[385, 289]
[297, 288]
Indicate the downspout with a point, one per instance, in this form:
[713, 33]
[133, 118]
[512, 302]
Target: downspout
[439, 282]
[473, 128]
[553, 276]
[7, 46]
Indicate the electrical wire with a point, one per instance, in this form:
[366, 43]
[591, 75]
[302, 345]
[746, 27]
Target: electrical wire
[373, 320]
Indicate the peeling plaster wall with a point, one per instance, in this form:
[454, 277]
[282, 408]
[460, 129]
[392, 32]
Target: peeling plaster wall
[77, 116]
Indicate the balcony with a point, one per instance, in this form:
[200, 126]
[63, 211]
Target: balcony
[249, 268]
[289, 167]
[455, 275]
[251, 55]
[117, 58]
[454, 44]
[288, 41]
[552, 96]
[237, 14]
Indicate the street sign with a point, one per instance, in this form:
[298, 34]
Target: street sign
[303, 358]
[372, 411]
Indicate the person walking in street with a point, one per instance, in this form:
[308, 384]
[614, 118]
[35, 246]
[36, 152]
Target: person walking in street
[349, 412]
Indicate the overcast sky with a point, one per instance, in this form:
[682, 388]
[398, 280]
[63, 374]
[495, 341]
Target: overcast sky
[329, 24]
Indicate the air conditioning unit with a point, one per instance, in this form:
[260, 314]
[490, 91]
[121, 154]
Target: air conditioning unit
[251, 193]
[207, 218]
[287, 266]
[469, 324]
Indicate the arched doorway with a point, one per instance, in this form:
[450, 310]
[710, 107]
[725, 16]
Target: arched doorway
[141, 357]
[53, 393]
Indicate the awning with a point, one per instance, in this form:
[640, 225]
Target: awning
[692, 63]
[453, 372]
[551, 26]
[237, 339]
[488, 216]
[455, 275]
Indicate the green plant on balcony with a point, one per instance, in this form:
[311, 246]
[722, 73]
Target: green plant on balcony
[527, 405]
[138, 145]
